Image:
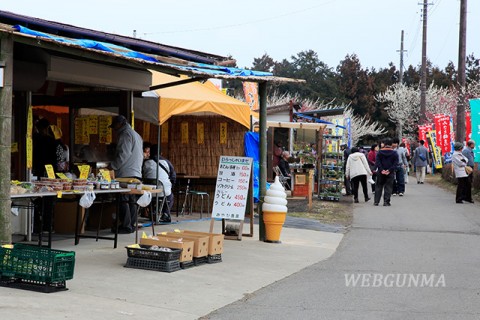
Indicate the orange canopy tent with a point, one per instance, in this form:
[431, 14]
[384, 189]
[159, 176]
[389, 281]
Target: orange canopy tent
[191, 98]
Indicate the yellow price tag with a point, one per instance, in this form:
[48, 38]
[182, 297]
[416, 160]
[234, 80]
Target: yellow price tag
[176, 231]
[163, 233]
[84, 171]
[50, 172]
[106, 175]
[59, 194]
[62, 175]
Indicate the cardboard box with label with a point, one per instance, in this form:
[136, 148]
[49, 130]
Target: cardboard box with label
[200, 243]
[185, 245]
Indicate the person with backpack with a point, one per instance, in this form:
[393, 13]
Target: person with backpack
[166, 175]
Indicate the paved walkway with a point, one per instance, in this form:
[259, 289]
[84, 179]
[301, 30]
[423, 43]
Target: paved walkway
[424, 232]
[103, 289]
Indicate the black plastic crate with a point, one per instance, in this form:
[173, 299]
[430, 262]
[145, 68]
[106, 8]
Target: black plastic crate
[155, 265]
[215, 258]
[32, 285]
[200, 261]
[146, 253]
[187, 264]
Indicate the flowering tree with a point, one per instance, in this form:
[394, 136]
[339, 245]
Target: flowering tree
[403, 106]
[362, 126]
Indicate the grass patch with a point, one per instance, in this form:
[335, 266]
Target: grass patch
[328, 212]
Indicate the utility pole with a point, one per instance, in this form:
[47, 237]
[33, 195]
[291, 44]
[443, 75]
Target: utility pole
[400, 75]
[400, 80]
[423, 79]
[462, 44]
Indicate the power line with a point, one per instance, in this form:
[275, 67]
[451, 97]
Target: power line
[244, 23]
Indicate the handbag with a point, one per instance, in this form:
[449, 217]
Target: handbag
[468, 169]
[422, 157]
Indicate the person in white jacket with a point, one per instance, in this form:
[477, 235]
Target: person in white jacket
[357, 170]
[464, 189]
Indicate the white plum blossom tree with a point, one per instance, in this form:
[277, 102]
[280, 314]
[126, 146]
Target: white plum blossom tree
[362, 126]
[403, 106]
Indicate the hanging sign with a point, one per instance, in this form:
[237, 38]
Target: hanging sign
[165, 132]
[250, 90]
[468, 126]
[200, 133]
[223, 133]
[93, 124]
[184, 129]
[29, 121]
[104, 132]
[232, 186]
[29, 152]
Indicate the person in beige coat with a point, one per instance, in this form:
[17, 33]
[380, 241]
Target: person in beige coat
[357, 170]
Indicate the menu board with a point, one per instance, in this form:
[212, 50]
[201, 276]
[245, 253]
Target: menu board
[232, 186]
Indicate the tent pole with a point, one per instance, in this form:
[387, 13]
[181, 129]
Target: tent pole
[262, 88]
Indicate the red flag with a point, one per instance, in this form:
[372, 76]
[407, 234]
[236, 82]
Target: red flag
[468, 126]
[438, 129]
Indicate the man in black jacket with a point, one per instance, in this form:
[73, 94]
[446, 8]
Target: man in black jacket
[386, 162]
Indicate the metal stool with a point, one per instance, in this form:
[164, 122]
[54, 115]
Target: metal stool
[202, 195]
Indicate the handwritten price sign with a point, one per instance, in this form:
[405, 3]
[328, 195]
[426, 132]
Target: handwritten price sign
[231, 191]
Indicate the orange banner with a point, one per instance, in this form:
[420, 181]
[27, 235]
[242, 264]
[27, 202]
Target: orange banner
[250, 90]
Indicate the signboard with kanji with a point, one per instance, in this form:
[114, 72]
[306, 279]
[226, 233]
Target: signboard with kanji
[231, 191]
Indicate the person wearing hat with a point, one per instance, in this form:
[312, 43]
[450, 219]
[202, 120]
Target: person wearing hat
[127, 163]
[464, 188]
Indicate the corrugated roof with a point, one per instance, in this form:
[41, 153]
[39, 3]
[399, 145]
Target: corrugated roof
[190, 68]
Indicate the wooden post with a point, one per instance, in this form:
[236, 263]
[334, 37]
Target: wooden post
[262, 89]
[6, 66]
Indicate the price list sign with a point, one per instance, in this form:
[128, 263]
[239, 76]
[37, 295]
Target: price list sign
[231, 191]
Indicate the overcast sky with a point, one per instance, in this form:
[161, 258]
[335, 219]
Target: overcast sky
[247, 29]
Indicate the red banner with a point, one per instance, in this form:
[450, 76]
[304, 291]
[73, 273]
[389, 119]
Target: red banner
[443, 130]
[468, 126]
[422, 134]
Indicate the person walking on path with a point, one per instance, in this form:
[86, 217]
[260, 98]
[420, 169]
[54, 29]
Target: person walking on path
[399, 184]
[371, 156]
[420, 160]
[386, 162]
[357, 169]
[468, 153]
[464, 188]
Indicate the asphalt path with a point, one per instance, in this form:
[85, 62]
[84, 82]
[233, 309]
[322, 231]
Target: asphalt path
[423, 234]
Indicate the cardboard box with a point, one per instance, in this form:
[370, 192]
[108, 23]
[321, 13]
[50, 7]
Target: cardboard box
[215, 245]
[65, 214]
[200, 243]
[185, 245]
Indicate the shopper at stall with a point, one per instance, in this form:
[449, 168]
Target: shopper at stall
[127, 163]
[284, 167]
[43, 148]
[61, 150]
[166, 175]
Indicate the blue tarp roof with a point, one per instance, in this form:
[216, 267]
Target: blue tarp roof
[128, 53]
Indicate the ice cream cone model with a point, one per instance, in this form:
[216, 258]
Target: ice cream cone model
[274, 211]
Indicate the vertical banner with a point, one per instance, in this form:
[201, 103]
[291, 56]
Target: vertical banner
[475, 116]
[452, 133]
[29, 141]
[93, 124]
[437, 152]
[184, 129]
[250, 90]
[442, 128]
[146, 131]
[78, 131]
[349, 132]
[223, 133]
[422, 133]
[468, 126]
[104, 132]
[164, 132]
[200, 133]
